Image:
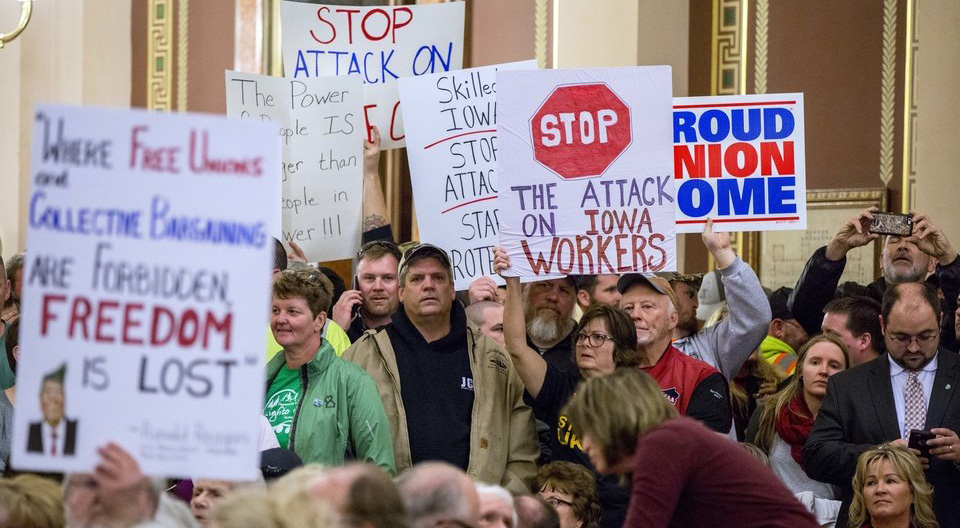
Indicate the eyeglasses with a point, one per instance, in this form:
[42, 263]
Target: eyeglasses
[595, 339]
[905, 340]
[385, 244]
[556, 502]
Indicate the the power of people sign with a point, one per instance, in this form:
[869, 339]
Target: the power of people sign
[585, 171]
[379, 44]
[147, 275]
[740, 160]
[452, 146]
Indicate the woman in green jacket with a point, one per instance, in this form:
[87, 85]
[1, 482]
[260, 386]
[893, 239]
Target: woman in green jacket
[321, 407]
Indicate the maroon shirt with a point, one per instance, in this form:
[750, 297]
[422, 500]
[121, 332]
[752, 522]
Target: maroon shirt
[689, 476]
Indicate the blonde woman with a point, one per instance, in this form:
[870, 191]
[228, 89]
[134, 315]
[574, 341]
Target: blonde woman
[890, 491]
[786, 418]
[683, 473]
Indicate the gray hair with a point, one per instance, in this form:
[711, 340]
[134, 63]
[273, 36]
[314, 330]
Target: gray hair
[432, 492]
[501, 493]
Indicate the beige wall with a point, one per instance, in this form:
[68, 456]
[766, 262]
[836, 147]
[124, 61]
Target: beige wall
[937, 190]
[73, 52]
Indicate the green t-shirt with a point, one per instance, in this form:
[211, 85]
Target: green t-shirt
[281, 403]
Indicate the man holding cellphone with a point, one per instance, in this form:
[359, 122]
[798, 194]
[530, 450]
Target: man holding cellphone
[374, 297]
[926, 254]
[910, 388]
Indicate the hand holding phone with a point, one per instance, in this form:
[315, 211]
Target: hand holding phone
[900, 225]
[918, 440]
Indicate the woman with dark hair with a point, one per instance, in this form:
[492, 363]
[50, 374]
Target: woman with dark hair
[572, 490]
[785, 419]
[605, 341]
[683, 473]
[890, 491]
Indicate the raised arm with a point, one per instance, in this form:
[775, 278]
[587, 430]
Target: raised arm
[376, 226]
[530, 366]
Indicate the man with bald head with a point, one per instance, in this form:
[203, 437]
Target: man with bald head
[439, 495]
[910, 387]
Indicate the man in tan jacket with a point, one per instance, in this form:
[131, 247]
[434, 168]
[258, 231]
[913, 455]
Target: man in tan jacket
[461, 401]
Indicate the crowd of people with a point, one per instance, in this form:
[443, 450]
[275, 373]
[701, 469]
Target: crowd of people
[641, 400]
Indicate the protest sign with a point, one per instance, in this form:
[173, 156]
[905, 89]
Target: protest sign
[584, 169]
[378, 44]
[451, 124]
[321, 123]
[740, 160]
[146, 291]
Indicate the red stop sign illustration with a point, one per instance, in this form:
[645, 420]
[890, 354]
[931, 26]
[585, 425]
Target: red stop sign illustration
[580, 130]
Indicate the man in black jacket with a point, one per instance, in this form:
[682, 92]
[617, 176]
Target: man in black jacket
[910, 387]
[926, 254]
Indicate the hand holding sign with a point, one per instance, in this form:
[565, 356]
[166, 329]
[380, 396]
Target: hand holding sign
[718, 244]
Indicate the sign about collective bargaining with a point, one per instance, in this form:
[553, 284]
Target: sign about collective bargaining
[584, 171]
[320, 123]
[451, 123]
[380, 44]
[740, 160]
[146, 291]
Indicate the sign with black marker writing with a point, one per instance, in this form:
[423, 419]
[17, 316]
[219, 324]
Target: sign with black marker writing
[451, 123]
[146, 291]
[320, 123]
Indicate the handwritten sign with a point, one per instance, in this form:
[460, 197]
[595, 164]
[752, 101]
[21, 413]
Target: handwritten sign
[451, 123]
[584, 167]
[321, 126]
[146, 291]
[378, 44]
[740, 160]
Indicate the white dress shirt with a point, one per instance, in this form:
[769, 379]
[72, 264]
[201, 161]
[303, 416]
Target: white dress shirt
[46, 433]
[898, 379]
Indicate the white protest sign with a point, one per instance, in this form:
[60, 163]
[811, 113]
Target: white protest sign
[740, 160]
[379, 44]
[321, 124]
[584, 169]
[451, 124]
[147, 287]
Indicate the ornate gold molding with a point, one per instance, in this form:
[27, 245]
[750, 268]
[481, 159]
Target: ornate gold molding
[911, 48]
[888, 78]
[540, 33]
[728, 64]
[760, 46]
[183, 47]
[159, 56]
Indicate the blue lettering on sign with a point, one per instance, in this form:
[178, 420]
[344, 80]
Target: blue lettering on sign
[716, 125]
[738, 197]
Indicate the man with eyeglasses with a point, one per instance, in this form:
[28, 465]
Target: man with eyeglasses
[374, 297]
[911, 387]
[450, 392]
[785, 335]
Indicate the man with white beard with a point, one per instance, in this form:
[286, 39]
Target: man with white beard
[548, 310]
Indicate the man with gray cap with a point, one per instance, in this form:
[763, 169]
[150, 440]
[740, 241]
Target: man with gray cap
[461, 400]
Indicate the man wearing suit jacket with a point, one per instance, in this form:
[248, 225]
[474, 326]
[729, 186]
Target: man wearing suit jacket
[912, 386]
[55, 435]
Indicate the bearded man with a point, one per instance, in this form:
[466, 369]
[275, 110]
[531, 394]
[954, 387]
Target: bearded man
[548, 311]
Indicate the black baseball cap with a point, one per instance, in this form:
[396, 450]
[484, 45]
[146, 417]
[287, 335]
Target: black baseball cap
[421, 251]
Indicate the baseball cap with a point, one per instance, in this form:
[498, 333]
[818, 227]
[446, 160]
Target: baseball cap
[659, 284]
[277, 462]
[711, 295]
[778, 303]
[420, 251]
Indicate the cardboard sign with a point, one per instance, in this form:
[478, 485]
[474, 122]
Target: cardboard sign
[146, 291]
[584, 166]
[451, 123]
[740, 160]
[321, 124]
[378, 44]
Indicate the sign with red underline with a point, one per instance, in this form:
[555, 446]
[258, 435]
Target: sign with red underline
[451, 127]
[740, 160]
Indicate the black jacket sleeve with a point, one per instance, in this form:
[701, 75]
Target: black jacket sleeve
[710, 403]
[826, 456]
[815, 288]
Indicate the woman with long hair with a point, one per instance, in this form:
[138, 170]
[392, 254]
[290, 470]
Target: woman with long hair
[890, 491]
[786, 418]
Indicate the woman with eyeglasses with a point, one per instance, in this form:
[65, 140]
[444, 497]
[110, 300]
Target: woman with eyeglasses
[321, 407]
[785, 419]
[572, 490]
[605, 340]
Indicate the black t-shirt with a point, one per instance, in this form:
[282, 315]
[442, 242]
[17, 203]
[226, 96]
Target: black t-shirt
[436, 386]
[560, 355]
[557, 389]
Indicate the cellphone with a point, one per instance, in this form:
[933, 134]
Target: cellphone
[892, 224]
[918, 440]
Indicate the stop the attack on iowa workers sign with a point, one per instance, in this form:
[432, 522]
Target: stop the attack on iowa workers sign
[585, 171]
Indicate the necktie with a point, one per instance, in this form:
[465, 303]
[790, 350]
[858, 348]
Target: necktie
[915, 409]
[53, 442]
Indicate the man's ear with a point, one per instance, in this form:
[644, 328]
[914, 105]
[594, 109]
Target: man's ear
[16, 352]
[583, 297]
[776, 328]
[865, 341]
[883, 327]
